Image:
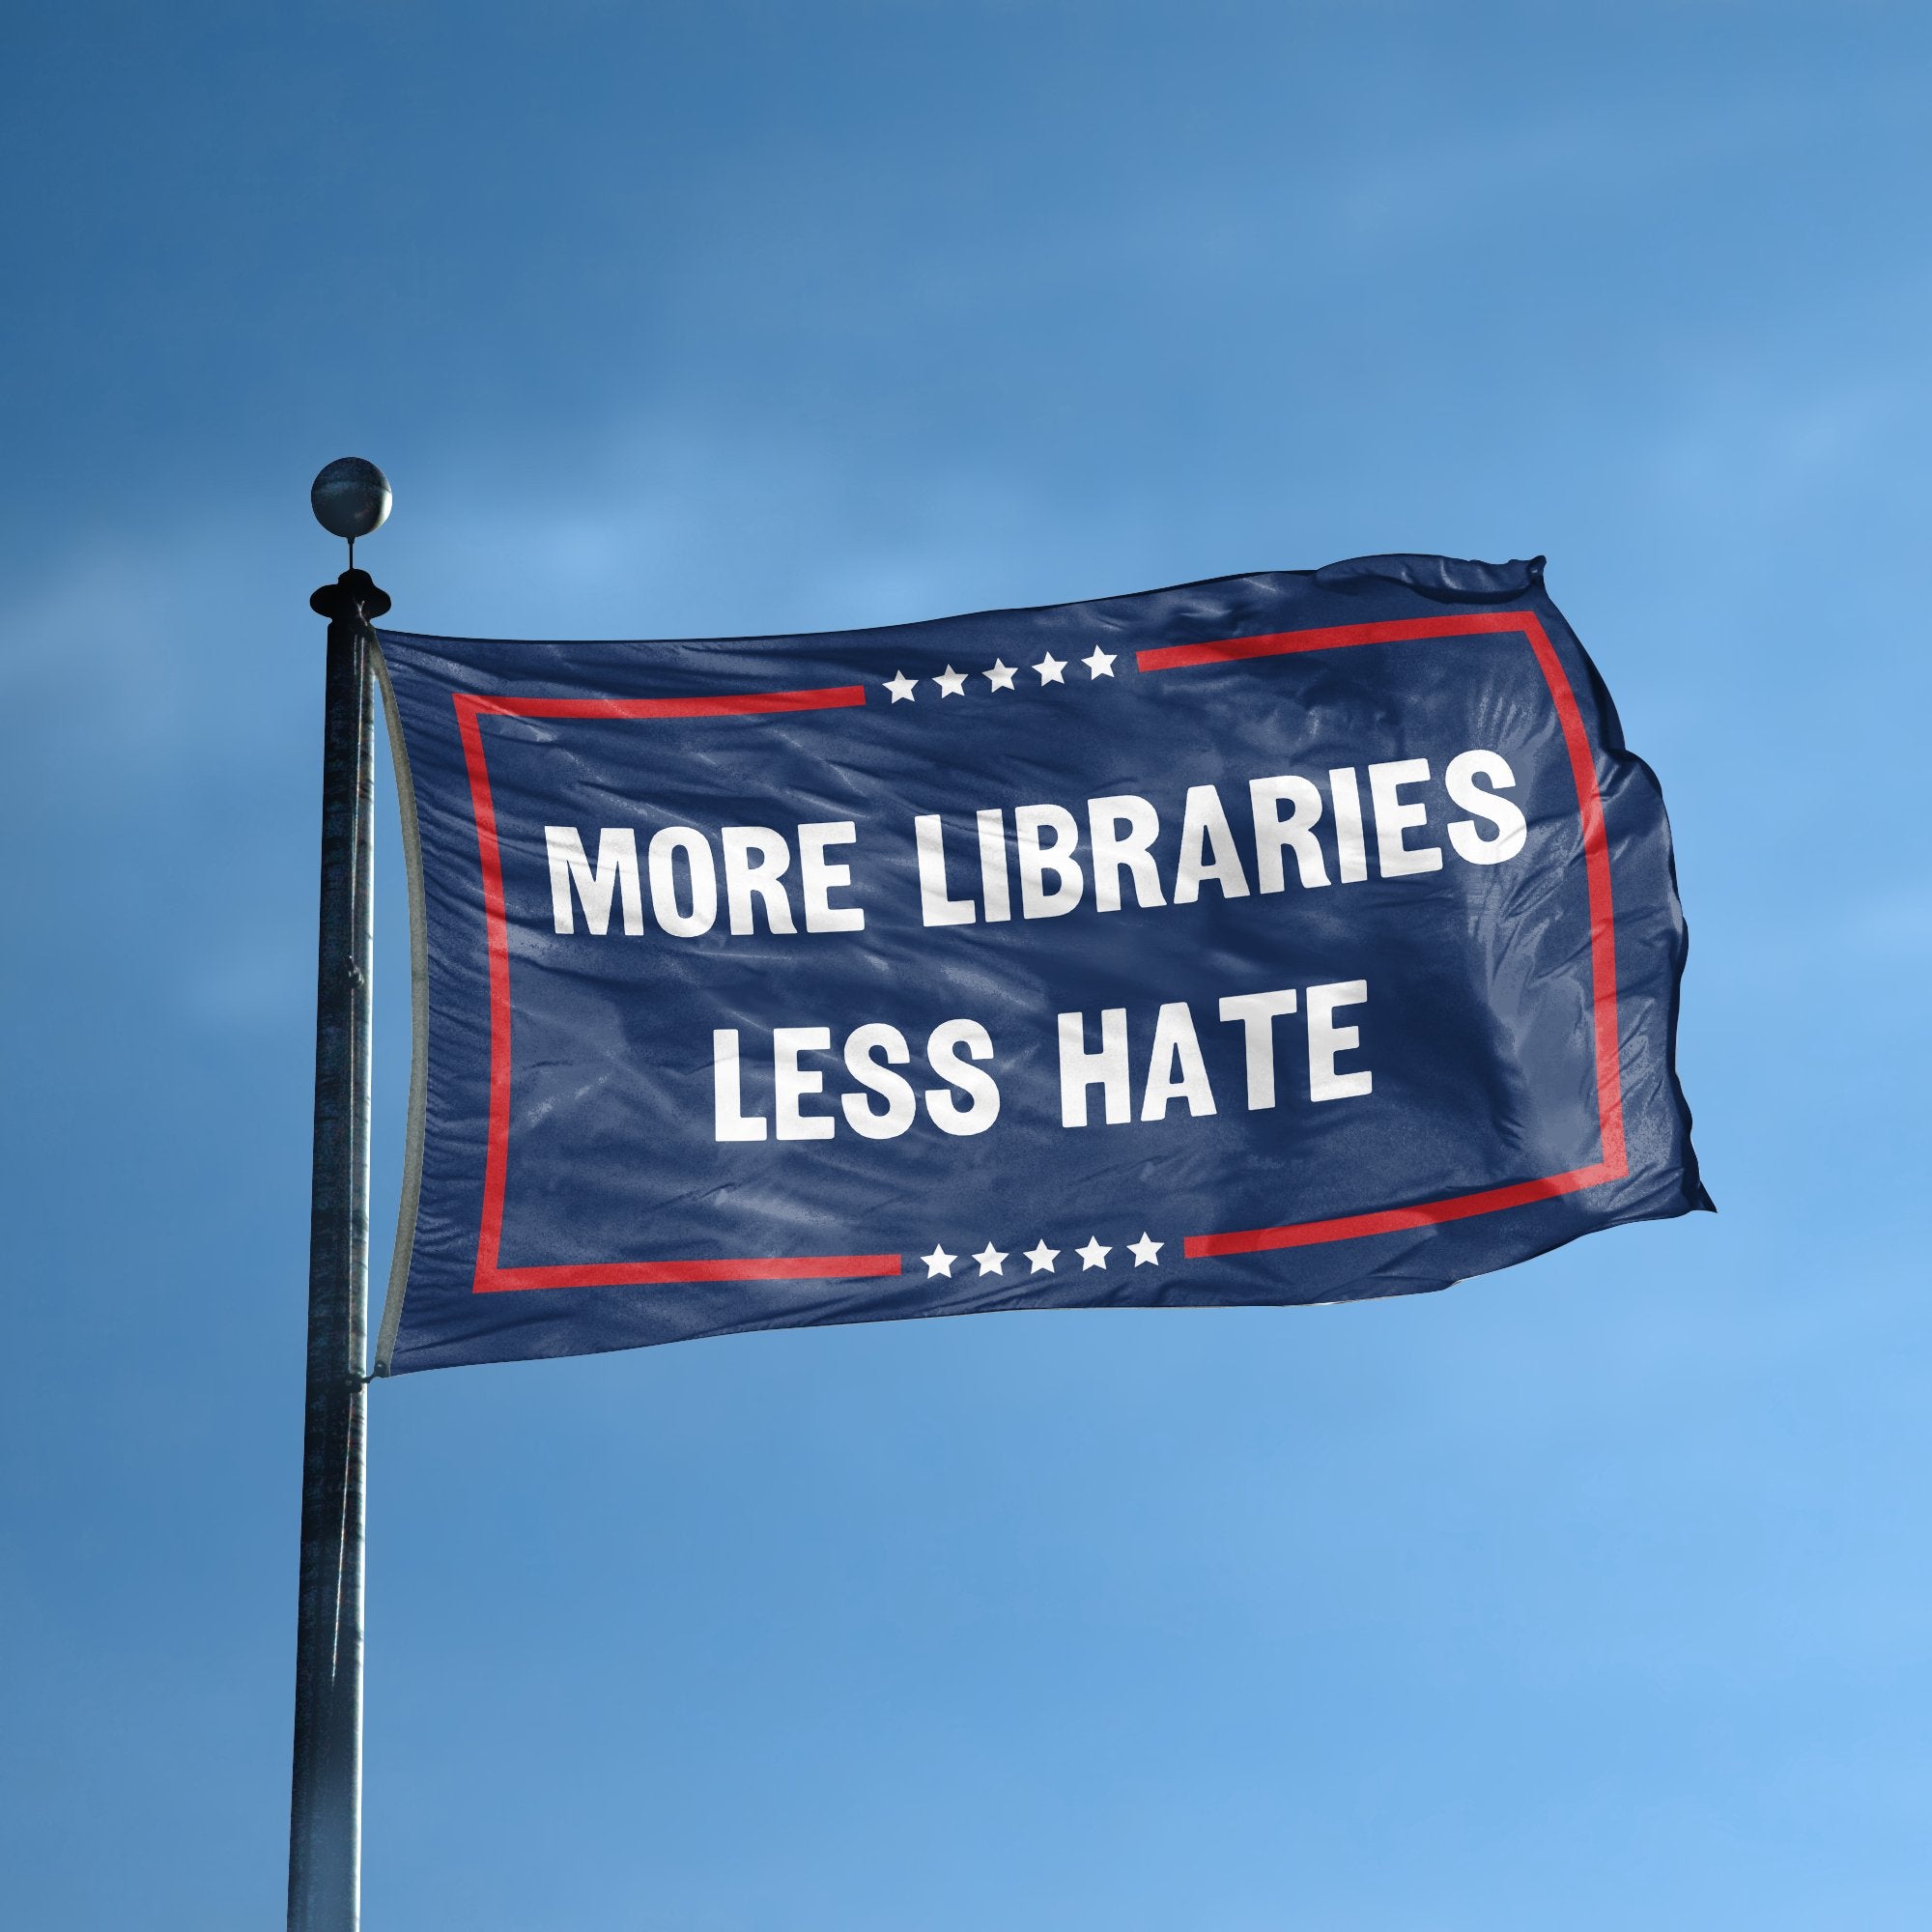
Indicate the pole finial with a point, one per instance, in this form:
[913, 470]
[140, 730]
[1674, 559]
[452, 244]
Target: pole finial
[349, 498]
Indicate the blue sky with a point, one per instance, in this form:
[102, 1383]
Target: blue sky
[1591, 1595]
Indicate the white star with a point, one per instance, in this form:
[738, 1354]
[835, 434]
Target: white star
[1042, 1258]
[1001, 676]
[1049, 669]
[991, 1261]
[938, 1262]
[951, 683]
[900, 686]
[1101, 664]
[1093, 1255]
[1145, 1250]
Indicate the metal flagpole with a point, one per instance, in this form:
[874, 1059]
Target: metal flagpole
[351, 498]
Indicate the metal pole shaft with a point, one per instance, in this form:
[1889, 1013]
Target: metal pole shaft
[326, 1819]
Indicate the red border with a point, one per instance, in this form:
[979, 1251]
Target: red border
[470, 706]
[489, 1277]
[1615, 1163]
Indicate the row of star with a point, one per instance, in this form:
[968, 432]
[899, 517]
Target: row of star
[1146, 1253]
[951, 683]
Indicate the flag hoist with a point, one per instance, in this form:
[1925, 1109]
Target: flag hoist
[351, 498]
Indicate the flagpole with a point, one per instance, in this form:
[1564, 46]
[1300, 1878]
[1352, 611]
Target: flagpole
[351, 498]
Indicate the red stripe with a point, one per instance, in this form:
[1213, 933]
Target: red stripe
[734, 704]
[495, 1158]
[637, 1274]
[1281, 644]
[1393, 1220]
[1603, 914]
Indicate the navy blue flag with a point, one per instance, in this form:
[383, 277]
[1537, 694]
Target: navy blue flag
[1299, 937]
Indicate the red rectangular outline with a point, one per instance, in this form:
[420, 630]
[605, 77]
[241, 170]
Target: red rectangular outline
[1615, 1163]
[489, 1277]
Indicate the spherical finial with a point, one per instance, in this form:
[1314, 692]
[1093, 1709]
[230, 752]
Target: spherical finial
[349, 497]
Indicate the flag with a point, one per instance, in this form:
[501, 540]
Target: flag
[1299, 937]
